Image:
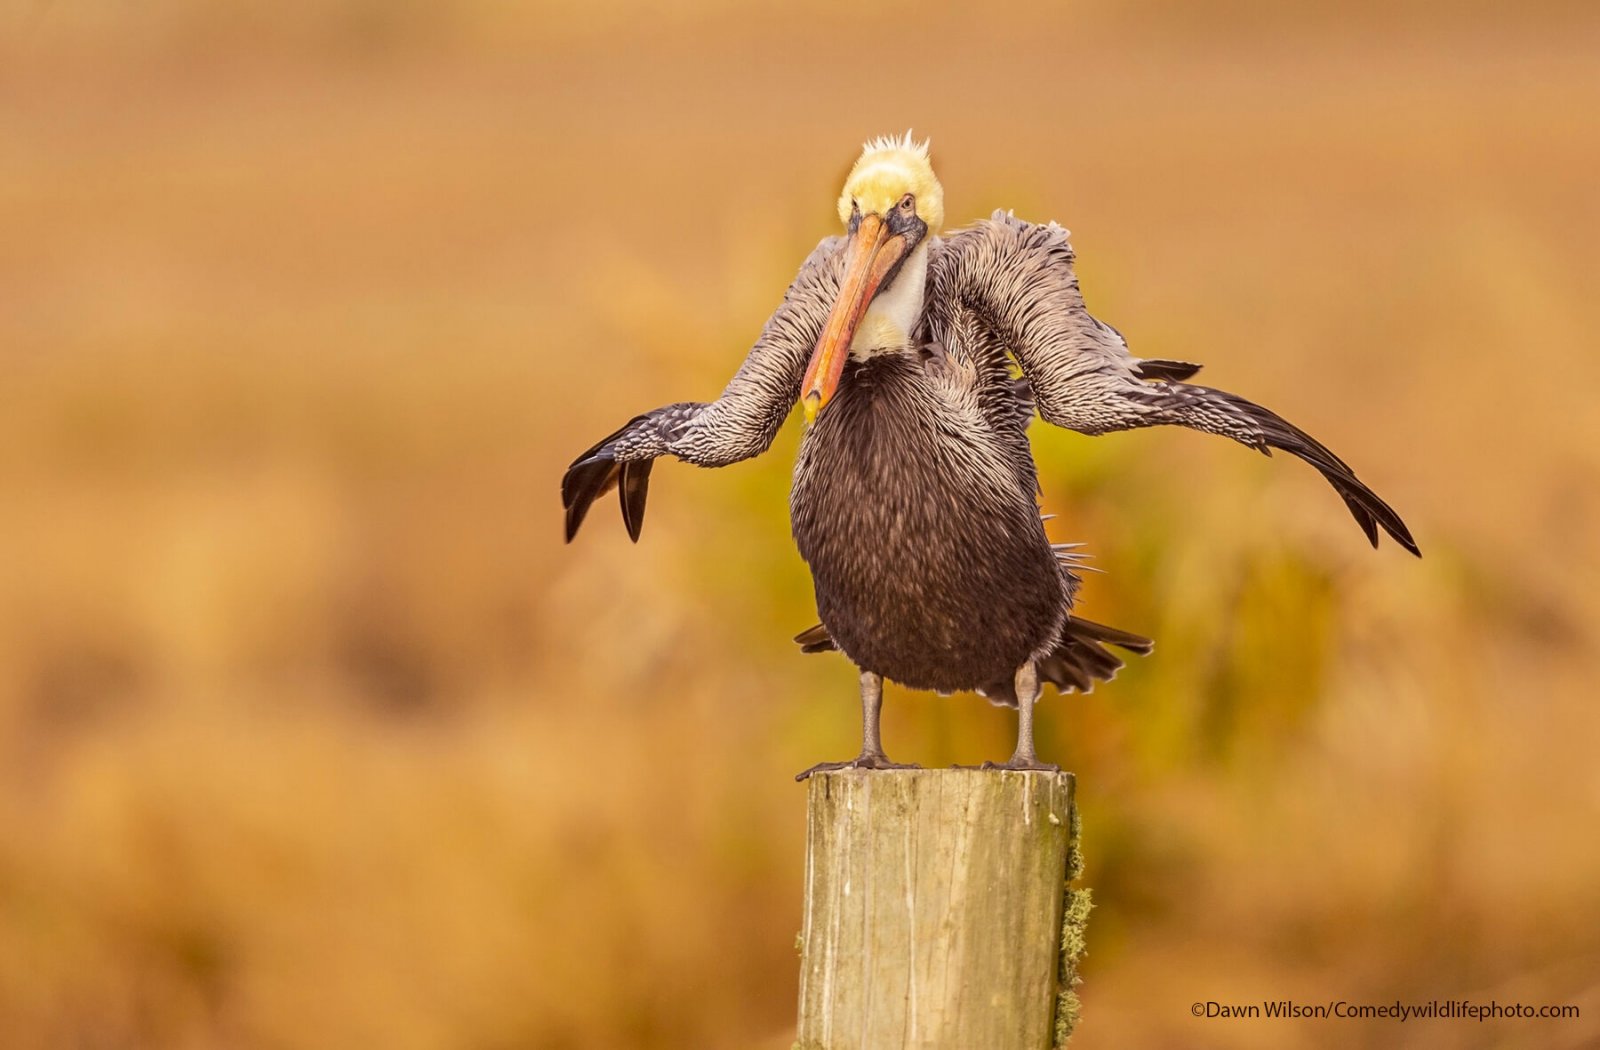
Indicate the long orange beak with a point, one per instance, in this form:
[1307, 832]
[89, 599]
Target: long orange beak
[870, 255]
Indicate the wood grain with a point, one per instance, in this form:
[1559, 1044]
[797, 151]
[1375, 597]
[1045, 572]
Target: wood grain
[934, 910]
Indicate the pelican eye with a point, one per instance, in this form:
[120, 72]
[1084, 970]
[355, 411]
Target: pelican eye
[908, 203]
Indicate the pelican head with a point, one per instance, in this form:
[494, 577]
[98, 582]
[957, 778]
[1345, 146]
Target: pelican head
[891, 204]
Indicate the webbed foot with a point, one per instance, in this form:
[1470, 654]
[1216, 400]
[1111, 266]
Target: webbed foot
[1023, 762]
[865, 760]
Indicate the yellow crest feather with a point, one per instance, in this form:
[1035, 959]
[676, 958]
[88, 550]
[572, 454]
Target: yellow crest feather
[889, 168]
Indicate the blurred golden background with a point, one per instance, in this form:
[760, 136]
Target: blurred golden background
[315, 735]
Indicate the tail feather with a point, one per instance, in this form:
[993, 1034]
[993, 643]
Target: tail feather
[1077, 662]
[1134, 643]
[815, 640]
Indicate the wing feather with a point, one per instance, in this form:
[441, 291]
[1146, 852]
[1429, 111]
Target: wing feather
[739, 424]
[1016, 280]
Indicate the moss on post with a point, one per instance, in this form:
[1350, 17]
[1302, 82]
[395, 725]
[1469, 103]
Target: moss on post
[1075, 908]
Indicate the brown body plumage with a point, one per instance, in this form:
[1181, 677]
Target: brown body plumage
[931, 564]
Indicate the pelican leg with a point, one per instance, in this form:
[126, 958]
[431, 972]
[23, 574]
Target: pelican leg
[1027, 688]
[872, 756]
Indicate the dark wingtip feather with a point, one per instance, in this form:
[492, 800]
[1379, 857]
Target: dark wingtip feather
[591, 475]
[585, 481]
[1363, 516]
[1402, 536]
[632, 491]
[1369, 510]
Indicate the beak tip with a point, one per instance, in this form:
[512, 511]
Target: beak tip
[811, 404]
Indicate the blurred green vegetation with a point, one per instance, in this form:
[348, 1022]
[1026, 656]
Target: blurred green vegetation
[314, 734]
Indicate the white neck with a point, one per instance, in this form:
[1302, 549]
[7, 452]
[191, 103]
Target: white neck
[893, 315]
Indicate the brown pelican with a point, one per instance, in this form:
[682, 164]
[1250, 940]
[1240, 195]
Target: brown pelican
[914, 498]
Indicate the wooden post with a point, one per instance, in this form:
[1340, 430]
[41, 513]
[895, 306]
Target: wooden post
[938, 911]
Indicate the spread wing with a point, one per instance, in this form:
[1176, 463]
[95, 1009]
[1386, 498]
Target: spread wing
[739, 424]
[1017, 278]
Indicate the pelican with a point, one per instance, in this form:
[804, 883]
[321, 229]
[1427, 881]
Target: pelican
[915, 492]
